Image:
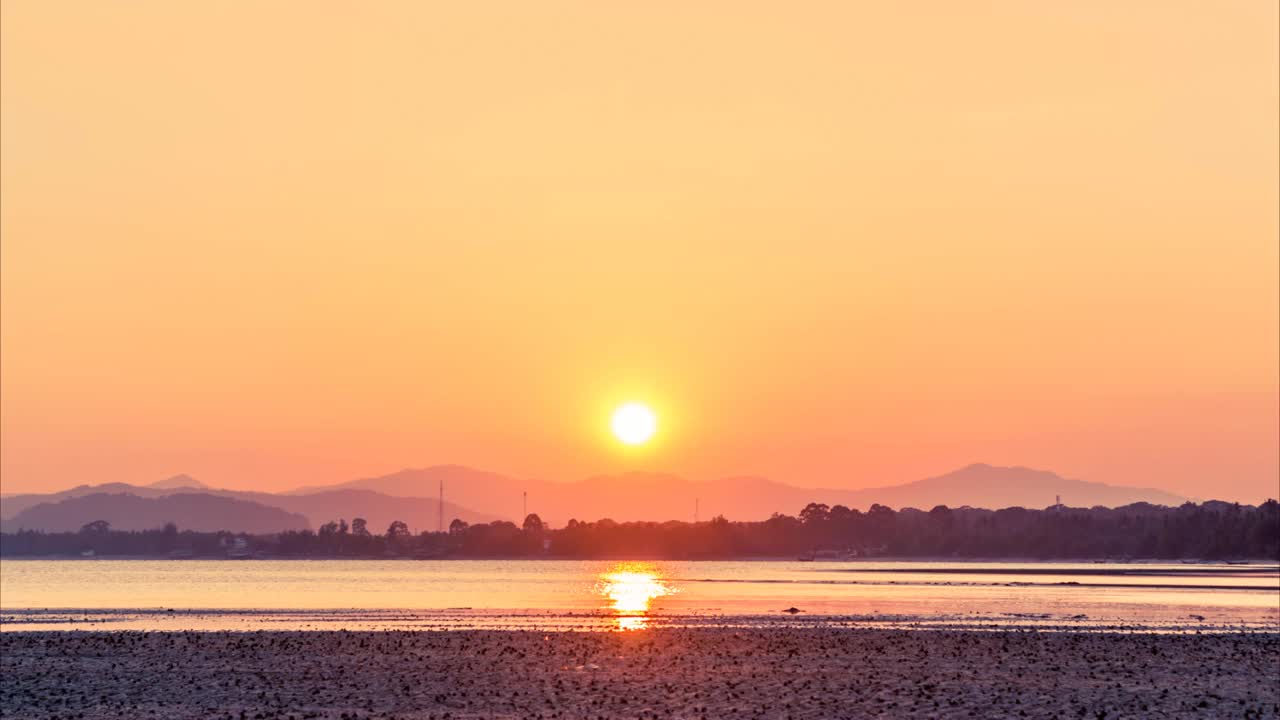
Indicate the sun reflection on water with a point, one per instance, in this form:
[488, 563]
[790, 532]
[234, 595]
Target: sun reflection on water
[631, 589]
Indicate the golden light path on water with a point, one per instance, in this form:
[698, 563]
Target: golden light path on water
[630, 588]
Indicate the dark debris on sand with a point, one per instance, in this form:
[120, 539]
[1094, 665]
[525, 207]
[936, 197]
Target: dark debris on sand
[664, 673]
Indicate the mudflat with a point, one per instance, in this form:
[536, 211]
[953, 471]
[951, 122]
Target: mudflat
[768, 672]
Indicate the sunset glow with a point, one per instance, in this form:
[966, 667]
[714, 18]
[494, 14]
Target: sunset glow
[634, 424]
[895, 243]
[631, 588]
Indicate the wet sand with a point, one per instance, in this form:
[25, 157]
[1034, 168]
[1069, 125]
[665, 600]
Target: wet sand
[792, 672]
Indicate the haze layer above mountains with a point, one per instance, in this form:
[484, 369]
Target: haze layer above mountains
[478, 496]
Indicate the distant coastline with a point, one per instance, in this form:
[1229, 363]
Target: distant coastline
[1210, 531]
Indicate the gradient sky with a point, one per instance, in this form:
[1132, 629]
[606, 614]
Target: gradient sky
[847, 244]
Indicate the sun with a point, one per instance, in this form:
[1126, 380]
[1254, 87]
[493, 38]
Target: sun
[634, 423]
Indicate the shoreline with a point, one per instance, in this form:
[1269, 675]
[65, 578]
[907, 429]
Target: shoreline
[1234, 562]
[600, 620]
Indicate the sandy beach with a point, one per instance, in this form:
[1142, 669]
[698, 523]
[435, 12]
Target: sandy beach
[792, 672]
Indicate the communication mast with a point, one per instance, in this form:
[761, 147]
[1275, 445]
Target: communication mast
[440, 512]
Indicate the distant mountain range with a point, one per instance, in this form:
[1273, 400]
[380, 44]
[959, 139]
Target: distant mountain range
[478, 496]
[651, 496]
[189, 511]
[41, 511]
[987, 486]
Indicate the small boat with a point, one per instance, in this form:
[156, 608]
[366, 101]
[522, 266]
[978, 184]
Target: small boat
[807, 557]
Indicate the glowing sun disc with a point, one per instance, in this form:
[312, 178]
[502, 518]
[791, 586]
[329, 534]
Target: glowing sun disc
[634, 423]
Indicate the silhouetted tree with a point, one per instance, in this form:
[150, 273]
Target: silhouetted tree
[97, 527]
[360, 527]
[458, 526]
[397, 530]
[814, 513]
[533, 523]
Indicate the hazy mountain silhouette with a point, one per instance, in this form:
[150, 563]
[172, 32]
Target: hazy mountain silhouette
[178, 481]
[425, 482]
[498, 495]
[987, 486]
[630, 496]
[655, 496]
[318, 507]
[189, 511]
[11, 505]
[377, 508]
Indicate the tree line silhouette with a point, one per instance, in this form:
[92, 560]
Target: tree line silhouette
[1210, 530]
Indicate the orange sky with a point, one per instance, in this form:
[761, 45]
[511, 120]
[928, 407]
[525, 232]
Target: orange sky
[849, 244]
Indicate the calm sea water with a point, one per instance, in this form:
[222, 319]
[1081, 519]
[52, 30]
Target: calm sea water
[462, 593]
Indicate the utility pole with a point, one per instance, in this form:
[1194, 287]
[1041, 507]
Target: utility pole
[440, 512]
[696, 503]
